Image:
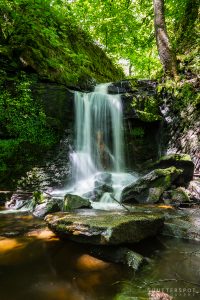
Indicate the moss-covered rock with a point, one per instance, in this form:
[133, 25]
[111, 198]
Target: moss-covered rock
[103, 227]
[74, 201]
[150, 187]
[180, 161]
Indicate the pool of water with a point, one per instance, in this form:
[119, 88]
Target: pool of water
[35, 264]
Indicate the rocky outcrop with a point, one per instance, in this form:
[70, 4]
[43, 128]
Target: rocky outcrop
[149, 188]
[182, 124]
[103, 227]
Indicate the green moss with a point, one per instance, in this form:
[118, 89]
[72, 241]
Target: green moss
[47, 40]
[147, 108]
[176, 157]
[106, 221]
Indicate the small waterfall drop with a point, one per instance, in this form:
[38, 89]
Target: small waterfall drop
[99, 133]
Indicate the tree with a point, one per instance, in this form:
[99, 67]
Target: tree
[165, 51]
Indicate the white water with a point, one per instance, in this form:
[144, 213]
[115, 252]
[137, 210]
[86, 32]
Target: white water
[99, 144]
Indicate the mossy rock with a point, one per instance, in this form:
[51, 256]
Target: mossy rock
[74, 201]
[103, 227]
[150, 187]
[180, 161]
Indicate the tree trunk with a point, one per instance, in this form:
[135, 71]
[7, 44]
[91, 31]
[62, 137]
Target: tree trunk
[166, 54]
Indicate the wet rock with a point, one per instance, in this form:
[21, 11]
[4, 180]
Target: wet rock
[104, 178]
[74, 201]
[19, 200]
[103, 184]
[150, 187]
[184, 227]
[194, 189]
[105, 227]
[119, 255]
[180, 161]
[45, 208]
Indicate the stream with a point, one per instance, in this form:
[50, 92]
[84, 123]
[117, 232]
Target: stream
[35, 264]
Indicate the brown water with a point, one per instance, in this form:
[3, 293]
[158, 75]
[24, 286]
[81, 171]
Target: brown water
[35, 264]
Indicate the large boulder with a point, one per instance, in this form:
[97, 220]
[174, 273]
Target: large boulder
[74, 201]
[105, 227]
[150, 187]
[180, 161]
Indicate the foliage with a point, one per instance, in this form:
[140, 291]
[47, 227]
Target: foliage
[43, 36]
[22, 117]
[125, 29]
[137, 132]
[183, 92]
[147, 108]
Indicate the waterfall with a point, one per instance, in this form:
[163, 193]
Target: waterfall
[98, 164]
[99, 144]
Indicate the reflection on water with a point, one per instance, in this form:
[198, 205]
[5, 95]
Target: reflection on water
[35, 264]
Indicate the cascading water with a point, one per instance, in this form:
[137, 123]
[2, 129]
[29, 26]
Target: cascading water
[99, 144]
[98, 162]
[99, 133]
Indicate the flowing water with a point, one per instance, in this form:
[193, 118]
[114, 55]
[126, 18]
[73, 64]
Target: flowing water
[36, 265]
[99, 146]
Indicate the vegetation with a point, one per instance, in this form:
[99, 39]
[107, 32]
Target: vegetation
[125, 29]
[78, 43]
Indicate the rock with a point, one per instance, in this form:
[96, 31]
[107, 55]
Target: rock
[104, 178]
[150, 187]
[194, 189]
[179, 195]
[45, 208]
[157, 295]
[180, 161]
[119, 255]
[105, 227]
[74, 202]
[184, 227]
[103, 184]
[19, 200]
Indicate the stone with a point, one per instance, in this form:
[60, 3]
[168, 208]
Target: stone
[179, 195]
[41, 210]
[180, 161]
[105, 227]
[194, 189]
[157, 295]
[186, 226]
[104, 178]
[19, 200]
[150, 187]
[74, 201]
[121, 254]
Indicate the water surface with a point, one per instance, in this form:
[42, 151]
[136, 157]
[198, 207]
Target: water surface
[35, 264]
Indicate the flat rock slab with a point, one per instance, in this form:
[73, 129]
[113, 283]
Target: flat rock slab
[105, 227]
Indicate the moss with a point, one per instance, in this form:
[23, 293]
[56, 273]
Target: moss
[55, 47]
[176, 157]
